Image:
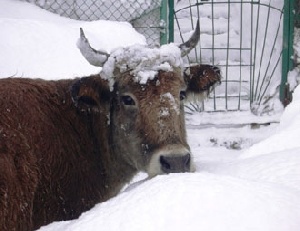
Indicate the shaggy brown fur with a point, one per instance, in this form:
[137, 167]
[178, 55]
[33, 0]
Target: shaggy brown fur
[54, 161]
[202, 77]
[67, 145]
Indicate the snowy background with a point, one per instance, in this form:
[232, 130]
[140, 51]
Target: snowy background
[247, 178]
[244, 41]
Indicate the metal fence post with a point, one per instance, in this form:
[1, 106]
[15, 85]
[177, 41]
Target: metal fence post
[287, 52]
[297, 13]
[163, 22]
[167, 21]
[171, 21]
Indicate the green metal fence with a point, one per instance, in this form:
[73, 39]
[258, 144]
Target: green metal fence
[287, 49]
[250, 40]
[245, 39]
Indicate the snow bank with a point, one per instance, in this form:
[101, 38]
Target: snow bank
[44, 45]
[287, 134]
[199, 201]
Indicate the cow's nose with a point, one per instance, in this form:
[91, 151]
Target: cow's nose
[175, 163]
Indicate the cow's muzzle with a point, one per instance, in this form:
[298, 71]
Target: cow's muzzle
[175, 163]
[170, 159]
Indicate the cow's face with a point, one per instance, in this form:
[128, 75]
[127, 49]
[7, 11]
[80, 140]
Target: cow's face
[146, 89]
[148, 122]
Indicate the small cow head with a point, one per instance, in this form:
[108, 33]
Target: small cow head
[145, 89]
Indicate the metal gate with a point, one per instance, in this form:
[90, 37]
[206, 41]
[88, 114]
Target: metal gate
[250, 40]
[245, 39]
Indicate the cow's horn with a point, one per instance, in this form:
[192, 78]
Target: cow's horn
[94, 57]
[192, 42]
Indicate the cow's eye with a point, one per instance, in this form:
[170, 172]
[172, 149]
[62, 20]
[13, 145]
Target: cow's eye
[182, 95]
[127, 100]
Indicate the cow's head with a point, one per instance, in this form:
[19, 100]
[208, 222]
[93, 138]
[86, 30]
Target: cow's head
[146, 89]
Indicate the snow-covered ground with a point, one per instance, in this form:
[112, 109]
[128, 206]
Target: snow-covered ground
[247, 176]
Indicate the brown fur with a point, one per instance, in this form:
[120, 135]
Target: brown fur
[202, 77]
[54, 161]
[67, 145]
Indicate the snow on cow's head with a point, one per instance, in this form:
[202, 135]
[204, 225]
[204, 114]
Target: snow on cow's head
[142, 62]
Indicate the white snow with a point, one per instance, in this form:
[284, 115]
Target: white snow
[247, 177]
[286, 134]
[168, 97]
[144, 62]
[125, 10]
[36, 43]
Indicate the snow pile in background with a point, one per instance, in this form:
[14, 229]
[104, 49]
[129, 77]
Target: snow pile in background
[287, 133]
[143, 62]
[46, 48]
[101, 9]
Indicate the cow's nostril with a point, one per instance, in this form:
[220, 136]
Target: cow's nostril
[187, 160]
[175, 163]
[164, 163]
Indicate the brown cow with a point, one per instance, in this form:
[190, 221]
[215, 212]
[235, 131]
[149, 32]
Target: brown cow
[69, 144]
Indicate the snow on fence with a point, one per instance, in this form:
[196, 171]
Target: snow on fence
[144, 15]
[244, 38]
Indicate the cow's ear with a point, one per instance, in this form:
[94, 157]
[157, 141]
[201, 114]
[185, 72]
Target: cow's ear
[201, 80]
[89, 93]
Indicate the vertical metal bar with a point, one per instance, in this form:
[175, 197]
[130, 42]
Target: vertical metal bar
[198, 60]
[213, 43]
[164, 22]
[261, 82]
[266, 77]
[262, 56]
[191, 14]
[287, 52]
[268, 84]
[199, 57]
[227, 57]
[251, 57]
[255, 49]
[192, 23]
[213, 32]
[171, 21]
[241, 46]
[254, 46]
[179, 27]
